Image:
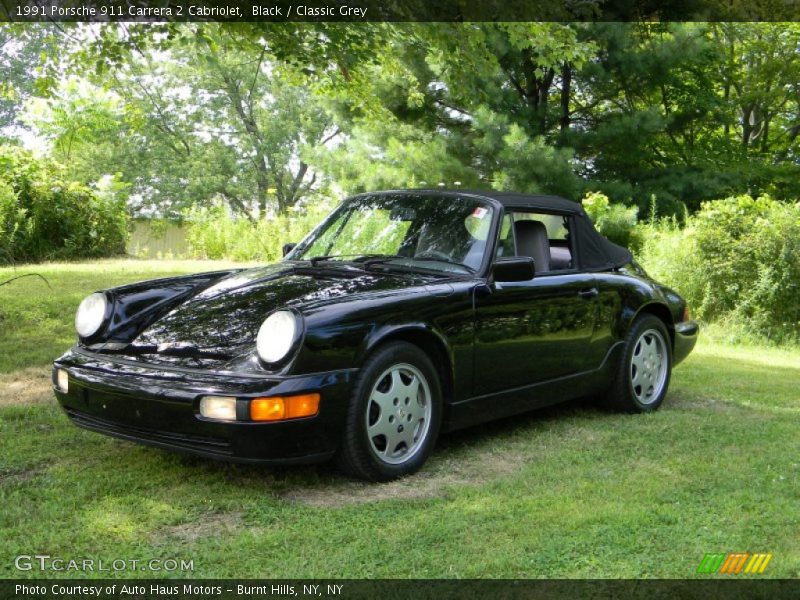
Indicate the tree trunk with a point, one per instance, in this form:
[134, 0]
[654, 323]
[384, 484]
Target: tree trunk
[244, 111]
[566, 84]
[747, 127]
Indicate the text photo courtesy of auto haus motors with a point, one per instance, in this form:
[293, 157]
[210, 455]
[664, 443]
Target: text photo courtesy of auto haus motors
[403, 315]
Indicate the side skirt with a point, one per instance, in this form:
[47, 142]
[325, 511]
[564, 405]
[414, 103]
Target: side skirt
[481, 409]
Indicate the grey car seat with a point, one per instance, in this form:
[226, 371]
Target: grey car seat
[532, 241]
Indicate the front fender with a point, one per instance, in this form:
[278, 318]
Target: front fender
[389, 331]
[344, 335]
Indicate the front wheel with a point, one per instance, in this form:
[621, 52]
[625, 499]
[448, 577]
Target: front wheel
[642, 377]
[394, 414]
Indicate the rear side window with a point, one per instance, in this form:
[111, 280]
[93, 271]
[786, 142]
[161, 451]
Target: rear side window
[556, 224]
[558, 237]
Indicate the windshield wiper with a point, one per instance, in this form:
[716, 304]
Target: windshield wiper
[380, 260]
[314, 260]
[448, 261]
[377, 259]
[370, 260]
[356, 258]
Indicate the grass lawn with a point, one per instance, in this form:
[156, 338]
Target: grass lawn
[566, 492]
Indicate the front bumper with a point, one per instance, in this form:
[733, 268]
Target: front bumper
[158, 406]
[686, 334]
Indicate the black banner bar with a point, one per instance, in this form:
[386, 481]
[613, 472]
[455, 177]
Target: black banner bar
[387, 589]
[354, 11]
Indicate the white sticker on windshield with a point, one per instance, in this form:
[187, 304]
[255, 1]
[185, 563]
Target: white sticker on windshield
[479, 212]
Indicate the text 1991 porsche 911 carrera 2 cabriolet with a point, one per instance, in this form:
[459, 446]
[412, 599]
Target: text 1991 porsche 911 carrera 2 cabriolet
[404, 314]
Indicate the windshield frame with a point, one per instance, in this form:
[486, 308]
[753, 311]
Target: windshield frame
[489, 248]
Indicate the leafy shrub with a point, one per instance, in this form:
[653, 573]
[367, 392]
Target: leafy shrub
[213, 233]
[736, 261]
[617, 222]
[44, 217]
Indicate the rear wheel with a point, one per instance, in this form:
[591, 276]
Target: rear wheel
[394, 414]
[642, 378]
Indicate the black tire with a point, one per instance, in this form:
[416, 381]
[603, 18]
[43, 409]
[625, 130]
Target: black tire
[625, 395]
[359, 454]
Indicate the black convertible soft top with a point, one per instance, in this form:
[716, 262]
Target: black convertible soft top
[595, 252]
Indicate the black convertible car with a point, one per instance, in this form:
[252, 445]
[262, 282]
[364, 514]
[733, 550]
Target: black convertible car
[403, 315]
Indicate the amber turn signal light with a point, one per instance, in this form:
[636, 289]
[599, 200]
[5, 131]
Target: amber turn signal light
[279, 408]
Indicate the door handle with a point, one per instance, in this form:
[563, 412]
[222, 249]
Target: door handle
[590, 293]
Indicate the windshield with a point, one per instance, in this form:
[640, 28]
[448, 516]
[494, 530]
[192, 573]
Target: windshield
[431, 232]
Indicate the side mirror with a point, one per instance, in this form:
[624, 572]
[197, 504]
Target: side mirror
[513, 268]
[288, 248]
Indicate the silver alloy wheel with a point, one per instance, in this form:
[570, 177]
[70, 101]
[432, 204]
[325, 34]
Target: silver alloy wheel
[649, 364]
[398, 413]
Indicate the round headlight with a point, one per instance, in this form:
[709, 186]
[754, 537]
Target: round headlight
[91, 314]
[276, 336]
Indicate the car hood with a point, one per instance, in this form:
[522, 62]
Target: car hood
[226, 317]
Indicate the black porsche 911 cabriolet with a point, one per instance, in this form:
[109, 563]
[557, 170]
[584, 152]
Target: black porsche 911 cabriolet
[402, 315]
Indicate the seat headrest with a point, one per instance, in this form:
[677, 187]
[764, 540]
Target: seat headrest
[532, 241]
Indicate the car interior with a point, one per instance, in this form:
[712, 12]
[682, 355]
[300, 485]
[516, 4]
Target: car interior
[543, 237]
[458, 237]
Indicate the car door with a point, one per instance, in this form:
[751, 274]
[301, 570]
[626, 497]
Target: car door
[534, 331]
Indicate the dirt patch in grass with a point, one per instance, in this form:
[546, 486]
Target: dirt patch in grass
[18, 476]
[470, 457]
[27, 387]
[204, 527]
[698, 404]
[441, 473]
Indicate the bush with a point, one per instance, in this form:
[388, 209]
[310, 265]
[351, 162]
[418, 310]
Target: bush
[736, 261]
[617, 222]
[43, 217]
[213, 233]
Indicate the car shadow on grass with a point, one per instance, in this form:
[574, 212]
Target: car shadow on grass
[472, 456]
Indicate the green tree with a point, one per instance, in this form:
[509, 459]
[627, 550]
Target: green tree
[204, 114]
[81, 121]
[662, 114]
[632, 109]
[470, 103]
[23, 49]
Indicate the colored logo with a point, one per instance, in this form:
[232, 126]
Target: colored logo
[734, 563]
